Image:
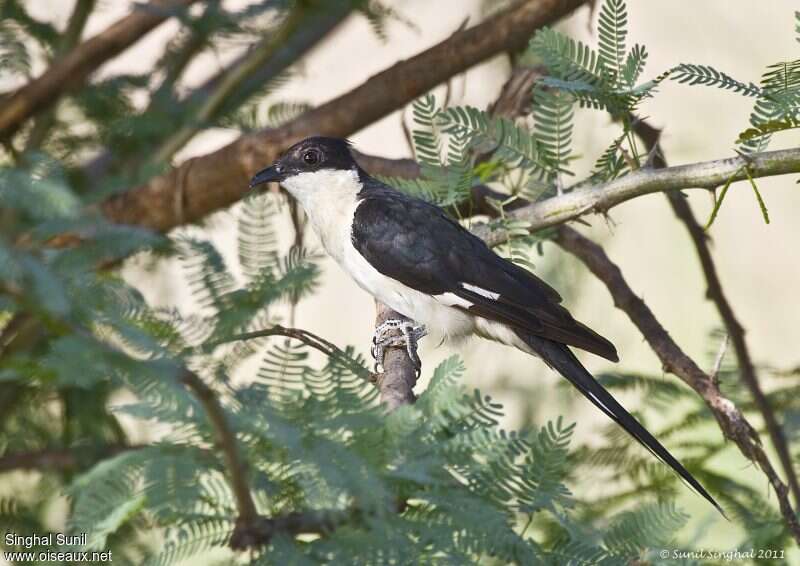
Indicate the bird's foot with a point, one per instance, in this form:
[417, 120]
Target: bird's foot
[386, 337]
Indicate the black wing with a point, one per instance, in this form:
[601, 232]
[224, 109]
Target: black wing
[416, 243]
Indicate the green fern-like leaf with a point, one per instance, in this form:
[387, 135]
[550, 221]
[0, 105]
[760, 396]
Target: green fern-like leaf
[611, 164]
[612, 30]
[14, 56]
[634, 65]
[779, 103]
[553, 123]
[568, 59]
[706, 75]
[768, 128]
[427, 146]
[511, 143]
[650, 526]
[257, 239]
[107, 497]
[206, 273]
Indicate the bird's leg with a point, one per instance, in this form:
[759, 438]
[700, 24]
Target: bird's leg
[385, 337]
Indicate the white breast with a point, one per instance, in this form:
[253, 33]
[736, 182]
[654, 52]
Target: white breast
[329, 198]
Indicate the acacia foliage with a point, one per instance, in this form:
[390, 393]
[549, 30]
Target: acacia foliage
[439, 482]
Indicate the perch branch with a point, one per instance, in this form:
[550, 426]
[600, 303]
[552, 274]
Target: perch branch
[72, 70]
[218, 179]
[396, 383]
[733, 423]
[683, 210]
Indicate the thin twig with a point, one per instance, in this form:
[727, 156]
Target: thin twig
[733, 423]
[680, 206]
[226, 442]
[723, 348]
[309, 339]
[228, 84]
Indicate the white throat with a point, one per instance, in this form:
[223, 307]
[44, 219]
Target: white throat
[329, 197]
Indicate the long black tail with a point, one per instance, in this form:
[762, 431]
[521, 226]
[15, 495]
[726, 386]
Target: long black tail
[560, 357]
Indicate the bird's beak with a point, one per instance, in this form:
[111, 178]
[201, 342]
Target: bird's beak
[271, 174]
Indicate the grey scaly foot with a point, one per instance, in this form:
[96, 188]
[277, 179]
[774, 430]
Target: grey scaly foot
[384, 337]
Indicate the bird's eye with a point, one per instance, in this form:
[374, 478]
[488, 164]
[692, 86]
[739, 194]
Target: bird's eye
[311, 157]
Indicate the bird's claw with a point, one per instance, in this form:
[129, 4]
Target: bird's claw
[384, 337]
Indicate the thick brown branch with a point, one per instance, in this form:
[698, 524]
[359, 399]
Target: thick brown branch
[733, 423]
[73, 69]
[208, 183]
[683, 210]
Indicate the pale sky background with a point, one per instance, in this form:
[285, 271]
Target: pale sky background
[759, 264]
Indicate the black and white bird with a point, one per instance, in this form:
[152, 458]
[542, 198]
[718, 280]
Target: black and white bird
[410, 255]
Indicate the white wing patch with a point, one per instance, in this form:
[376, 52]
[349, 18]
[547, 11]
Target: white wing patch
[480, 291]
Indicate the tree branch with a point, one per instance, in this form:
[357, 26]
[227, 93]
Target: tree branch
[204, 184]
[70, 38]
[683, 210]
[317, 24]
[307, 338]
[72, 70]
[396, 383]
[603, 196]
[62, 459]
[733, 423]
[261, 531]
[228, 83]
[226, 442]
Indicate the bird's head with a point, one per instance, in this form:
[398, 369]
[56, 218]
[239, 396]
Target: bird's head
[306, 159]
